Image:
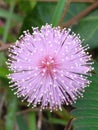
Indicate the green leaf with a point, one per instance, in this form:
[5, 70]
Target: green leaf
[33, 3]
[95, 65]
[59, 117]
[58, 12]
[6, 29]
[10, 118]
[2, 58]
[95, 127]
[86, 112]
[41, 14]
[74, 9]
[57, 121]
[22, 123]
[5, 14]
[9, 1]
[89, 123]
[8, 22]
[88, 30]
[87, 27]
[32, 121]
[26, 6]
[3, 72]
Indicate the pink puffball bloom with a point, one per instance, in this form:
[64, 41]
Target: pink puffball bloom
[49, 67]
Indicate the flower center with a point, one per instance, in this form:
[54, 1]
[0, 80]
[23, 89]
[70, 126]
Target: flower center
[48, 66]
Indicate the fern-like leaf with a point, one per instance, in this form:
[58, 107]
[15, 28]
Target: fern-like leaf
[86, 112]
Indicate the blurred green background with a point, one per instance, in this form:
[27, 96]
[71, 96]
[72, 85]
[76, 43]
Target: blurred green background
[19, 15]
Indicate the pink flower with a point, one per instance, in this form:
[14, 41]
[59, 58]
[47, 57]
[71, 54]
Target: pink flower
[49, 67]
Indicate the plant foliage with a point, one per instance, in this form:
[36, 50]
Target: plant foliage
[86, 112]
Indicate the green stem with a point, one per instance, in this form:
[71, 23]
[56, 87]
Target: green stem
[8, 22]
[58, 12]
[32, 121]
[10, 118]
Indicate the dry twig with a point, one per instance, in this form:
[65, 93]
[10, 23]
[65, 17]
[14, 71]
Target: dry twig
[4, 47]
[27, 110]
[65, 11]
[69, 125]
[39, 123]
[75, 19]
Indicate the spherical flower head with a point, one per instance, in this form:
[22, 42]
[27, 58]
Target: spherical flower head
[49, 67]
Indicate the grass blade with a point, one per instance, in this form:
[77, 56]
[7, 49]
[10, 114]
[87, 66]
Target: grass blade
[8, 22]
[58, 12]
[32, 121]
[10, 118]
